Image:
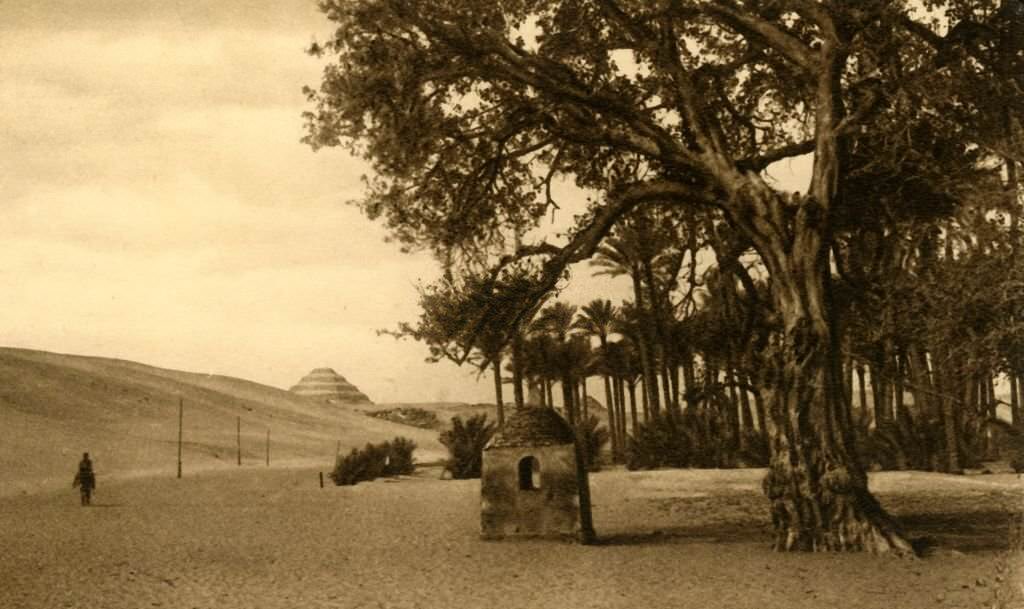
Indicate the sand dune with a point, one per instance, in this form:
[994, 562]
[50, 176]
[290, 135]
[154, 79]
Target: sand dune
[54, 407]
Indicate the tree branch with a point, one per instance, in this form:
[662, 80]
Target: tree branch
[774, 37]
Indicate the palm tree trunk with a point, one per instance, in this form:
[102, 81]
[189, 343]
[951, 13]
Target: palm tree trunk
[878, 391]
[863, 390]
[848, 381]
[1014, 400]
[643, 346]
[584, 399]
[676, 390]
[689, 374]
[620, 410]
[734, 407]
[609, 401]
[643, 400]
[632, 403]
[993, 409]
[759, 404]
[901, 408]
[568, 403]
[745, 412]
[498, 401]
[666, 385]
[951, 435]
[517, 372]
[613, 425]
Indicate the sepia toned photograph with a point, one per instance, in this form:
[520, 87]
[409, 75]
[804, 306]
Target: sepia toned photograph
[511, 304]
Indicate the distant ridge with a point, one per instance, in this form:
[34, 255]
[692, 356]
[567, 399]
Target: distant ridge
[54, 407]
[326, 385]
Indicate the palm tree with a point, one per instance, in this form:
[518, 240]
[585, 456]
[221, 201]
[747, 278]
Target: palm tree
[556, 321]
[598, 318]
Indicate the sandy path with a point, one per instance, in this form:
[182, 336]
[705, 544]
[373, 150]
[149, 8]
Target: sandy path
[267, 539]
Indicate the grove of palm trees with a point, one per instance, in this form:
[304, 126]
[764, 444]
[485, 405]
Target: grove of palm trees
[869, 318]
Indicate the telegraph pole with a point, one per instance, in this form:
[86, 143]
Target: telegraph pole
[268, 447]
[239, 436]
[181, 415]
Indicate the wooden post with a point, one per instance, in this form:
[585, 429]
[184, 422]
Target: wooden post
[239, 436]
[181, 415]
[321, 479]
[268, 447]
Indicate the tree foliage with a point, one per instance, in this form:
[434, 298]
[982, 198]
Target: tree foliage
[468, 110]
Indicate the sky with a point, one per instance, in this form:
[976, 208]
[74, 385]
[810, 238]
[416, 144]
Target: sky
[158, 205]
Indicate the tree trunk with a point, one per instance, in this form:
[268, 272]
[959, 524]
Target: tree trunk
[643, 346]
[734, 407]
[745, 411]
[1014, 401]
[689, 375]
[920, 384]
[666, 386]
[643, 399]
[548, 385]
[584, 399]
[567, 399]
[992, 449]
[577, 398]
[901, 408]
[676, 391]
[613, 426]
[517, 372]
[817, 487]
[498, 401]
[621, 400]
[759, 403]
[848, 381]
[879, 391]
[632, 403]
[862, 388]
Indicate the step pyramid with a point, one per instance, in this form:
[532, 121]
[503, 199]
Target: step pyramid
[326, 385]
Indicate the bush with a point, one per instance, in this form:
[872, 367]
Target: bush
[373, 461]
[591, 438]
[400, 461]
[659, 442]
[465, 442]
[698, 438]
[910, 442]
[754, 449]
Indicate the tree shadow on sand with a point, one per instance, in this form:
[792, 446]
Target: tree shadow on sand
[977, 531]
[931, 532]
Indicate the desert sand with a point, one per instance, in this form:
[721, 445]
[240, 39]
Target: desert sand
[267, 538]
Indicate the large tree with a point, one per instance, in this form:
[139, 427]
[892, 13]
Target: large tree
[469, 109]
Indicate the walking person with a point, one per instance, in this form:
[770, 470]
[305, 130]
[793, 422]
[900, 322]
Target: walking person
[85, 479]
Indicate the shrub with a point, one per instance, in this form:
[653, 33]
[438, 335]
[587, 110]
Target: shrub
[373, 461]
[754, 449]
[911, 441]
[698, 438]
[659, 442]
[591, 438]
[400, 460]
[465, 442]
